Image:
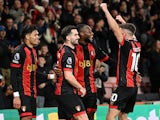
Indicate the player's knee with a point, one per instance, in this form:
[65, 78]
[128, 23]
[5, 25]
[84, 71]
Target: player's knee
[110, 116]
[124, 116]
[26, 118]
[91, 115]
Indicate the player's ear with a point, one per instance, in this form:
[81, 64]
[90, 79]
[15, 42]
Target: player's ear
[27, 36]
[67, 37]
[81, 34]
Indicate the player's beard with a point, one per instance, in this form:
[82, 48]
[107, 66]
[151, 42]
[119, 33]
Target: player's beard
[75, 43]
[87, 40]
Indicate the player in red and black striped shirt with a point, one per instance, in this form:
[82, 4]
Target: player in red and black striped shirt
[87, 54]
[67, 86]
[123, 98]
[23, 74]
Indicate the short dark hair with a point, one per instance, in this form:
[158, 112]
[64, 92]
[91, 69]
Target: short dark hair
[66, 31]
[28, 29]
[129, 26]
[80, 27]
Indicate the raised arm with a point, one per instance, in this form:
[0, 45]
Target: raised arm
[112, 23]
[120, 19]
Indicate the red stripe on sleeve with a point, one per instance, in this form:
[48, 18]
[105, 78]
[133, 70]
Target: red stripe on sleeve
[15, 65]
[79, 113]
[67, 69]
[104, 59]
[26, 114]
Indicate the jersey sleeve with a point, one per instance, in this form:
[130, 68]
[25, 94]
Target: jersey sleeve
[16, 64]
[68, 62]
[100, 54]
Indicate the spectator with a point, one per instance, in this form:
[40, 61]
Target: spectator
[67, 17]
[12, 34]
[101, 36]
[16, 12]
[48, 57]
[25, 8]
[91, 22]
[2, 95]
[5, 55]
[9, 97]
[57, 8]
[41, 82]
[154, 68]
[45, 88]
[78, 19]
[42, 27]
[100, 77]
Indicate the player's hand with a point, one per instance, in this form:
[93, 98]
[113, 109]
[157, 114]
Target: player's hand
[97, 3]
[103, 6]
[120, 19]
[83, 91]
[139, 77]
[57, 71]
[17, 102]
[42, 85]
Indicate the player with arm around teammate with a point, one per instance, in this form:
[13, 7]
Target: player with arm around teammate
[67, 86]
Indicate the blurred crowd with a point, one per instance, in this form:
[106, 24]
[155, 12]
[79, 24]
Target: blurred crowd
[50, 16]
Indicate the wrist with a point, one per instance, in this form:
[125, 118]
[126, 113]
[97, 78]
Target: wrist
[51, 76]
[16, 94]
[80, 88]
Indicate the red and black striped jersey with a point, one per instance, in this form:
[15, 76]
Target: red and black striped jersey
[128, 60]
[67, 61]
[23, 70]
[87, 54]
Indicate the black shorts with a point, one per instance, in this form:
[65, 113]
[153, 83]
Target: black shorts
[28, 106]
[90, 102]
[69, 106]
[124, 99]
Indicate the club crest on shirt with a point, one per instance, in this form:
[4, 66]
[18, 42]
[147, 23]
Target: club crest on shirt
[23, 108]
[69, 60]
[78, 108]
[92, 52]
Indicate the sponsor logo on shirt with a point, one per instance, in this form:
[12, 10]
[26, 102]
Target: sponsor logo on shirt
[31, 67]
[85, 63]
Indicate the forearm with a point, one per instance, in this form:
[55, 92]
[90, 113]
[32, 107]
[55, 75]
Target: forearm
[72, 80]
[15, 83]
[14, 80]
[111, 21]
